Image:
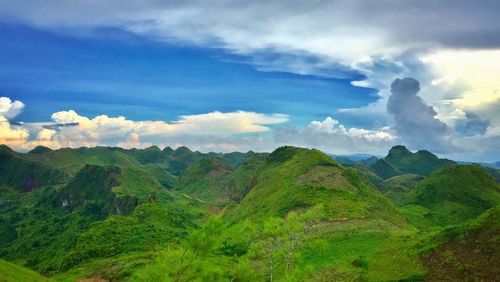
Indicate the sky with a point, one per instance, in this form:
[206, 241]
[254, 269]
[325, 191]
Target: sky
[345, 77]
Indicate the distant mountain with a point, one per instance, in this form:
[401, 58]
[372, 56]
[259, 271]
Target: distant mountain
[24, 174]
[400, 160]
[356, 158]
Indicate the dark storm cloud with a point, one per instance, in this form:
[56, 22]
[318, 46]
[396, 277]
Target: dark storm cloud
[415, 121]
[472, 125]
[458, 24]
[454, 23]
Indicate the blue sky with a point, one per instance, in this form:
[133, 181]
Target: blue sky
[342, 76]
[115, 72]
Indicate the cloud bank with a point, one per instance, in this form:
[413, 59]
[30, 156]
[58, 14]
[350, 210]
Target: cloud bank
[216, 131]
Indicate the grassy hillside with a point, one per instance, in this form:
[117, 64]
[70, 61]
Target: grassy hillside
[203, 178]
[42, 226]
[452, 195]
[467, 252]
[292, 215]
[398, 187]
[214, 180]
[24, 174]
[13, 273]
[298, 179]
[384, 169]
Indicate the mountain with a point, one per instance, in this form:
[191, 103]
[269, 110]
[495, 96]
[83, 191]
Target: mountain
[115, 214]
[384, 169]
[422, 162]
[203, 179]
[400, 160]
[299, 179]
[453, 195]
[24, 174]
[352, 159]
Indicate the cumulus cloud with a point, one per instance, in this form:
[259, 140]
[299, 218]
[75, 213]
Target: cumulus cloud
[415, 121]
[12, 135]
[69, 129]
[331, 136]
[9, 108]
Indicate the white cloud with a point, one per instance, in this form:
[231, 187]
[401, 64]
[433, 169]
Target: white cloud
[9, 108]
[12, 135]
[69, 129]
[331, 136]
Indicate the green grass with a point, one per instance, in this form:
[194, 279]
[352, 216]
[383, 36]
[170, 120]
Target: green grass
[13, 273]
[295, 215]
[452, 195]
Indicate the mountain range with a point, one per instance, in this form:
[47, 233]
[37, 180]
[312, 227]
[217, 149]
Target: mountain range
[296, 214]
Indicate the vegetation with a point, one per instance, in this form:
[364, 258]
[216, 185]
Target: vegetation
[111, 214]
[13, 273]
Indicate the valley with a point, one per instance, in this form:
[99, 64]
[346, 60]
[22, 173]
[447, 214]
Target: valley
[295, 214]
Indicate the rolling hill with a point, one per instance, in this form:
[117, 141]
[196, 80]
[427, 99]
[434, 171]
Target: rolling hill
[294, 215]
[453, 195]
[298, 179]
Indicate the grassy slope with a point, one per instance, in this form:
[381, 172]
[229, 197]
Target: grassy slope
[303, 217]
[452, 195]
[294, 179]
[397, 188]
[93, 194]
[13, 273]
[342, 226]
[20, 172]
[72, 160]
[384, 169]
[214, 180]
[203, 179]
[467, 252]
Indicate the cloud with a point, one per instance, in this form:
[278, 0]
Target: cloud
[472, 125]
[331, 136]
[12, 135]
[321, 27]
[69, 129]
[10, 109]
[414, 121]
[380, 40]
